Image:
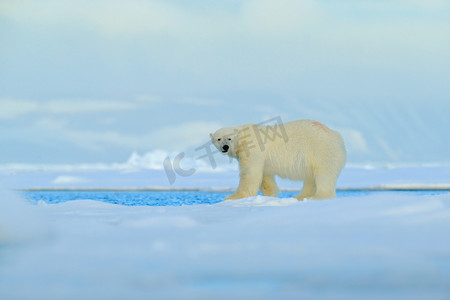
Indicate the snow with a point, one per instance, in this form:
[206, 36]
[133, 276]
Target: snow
[376, 246]
[19, 221]
[262, 201]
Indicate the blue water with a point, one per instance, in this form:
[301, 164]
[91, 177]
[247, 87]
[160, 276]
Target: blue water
[168, 198]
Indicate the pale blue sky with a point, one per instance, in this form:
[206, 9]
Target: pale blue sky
[93, 81]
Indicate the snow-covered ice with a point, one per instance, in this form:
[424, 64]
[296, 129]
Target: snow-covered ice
[19, 221]
[380, 246]
[386, 245]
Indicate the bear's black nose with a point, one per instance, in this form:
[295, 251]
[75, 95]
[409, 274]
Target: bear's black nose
[225, 148]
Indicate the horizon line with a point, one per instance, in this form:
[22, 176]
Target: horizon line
[432, 187]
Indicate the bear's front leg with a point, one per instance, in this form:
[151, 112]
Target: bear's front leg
[235, 196]
[251, 173]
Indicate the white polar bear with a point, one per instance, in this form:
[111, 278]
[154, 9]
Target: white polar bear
[300, 150]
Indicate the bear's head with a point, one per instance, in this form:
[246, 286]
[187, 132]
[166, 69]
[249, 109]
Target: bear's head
[225, 140]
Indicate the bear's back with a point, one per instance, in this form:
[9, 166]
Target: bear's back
[298, 147]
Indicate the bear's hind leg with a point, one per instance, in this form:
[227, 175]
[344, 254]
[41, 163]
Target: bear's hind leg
[309, 189]
[325, 187]
[268, 186]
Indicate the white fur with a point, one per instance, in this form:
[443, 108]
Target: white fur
[301, 150]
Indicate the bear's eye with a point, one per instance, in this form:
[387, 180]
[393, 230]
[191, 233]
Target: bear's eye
[229, 139]
[218, 140]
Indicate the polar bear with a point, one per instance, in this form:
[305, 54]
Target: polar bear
[303, 150]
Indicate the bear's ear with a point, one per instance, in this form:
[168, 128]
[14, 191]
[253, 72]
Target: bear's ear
[210, 135]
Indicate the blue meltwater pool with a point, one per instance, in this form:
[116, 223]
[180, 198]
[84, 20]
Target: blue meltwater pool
[170, 198]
